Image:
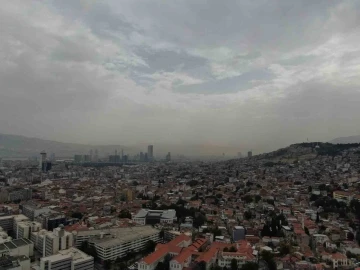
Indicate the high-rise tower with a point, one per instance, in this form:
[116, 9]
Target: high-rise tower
[42, 160]
[150, 152]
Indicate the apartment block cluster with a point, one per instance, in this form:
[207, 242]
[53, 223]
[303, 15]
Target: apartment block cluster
[23, 239]
[299, 206]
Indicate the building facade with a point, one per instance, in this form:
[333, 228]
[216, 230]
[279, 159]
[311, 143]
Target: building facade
[151, 217]
[69, 259]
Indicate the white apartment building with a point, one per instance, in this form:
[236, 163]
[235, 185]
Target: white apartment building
[7, 223]
[24, 229]
[113, 243]
[50, 243]
[68, 259]
[17, 219]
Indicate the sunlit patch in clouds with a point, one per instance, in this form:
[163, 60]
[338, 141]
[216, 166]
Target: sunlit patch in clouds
[204, 70]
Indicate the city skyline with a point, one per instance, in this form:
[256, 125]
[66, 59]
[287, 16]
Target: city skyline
[255, 74]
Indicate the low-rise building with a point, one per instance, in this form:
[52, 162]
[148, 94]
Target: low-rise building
[68, 259]
[17, 247]
[113, 243]
[14, 263]
[147, 216]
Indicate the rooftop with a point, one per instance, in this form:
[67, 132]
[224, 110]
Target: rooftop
[122, 235]
[71, 253]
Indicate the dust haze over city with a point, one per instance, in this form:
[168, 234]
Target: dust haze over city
[180, 135]
[228, 76]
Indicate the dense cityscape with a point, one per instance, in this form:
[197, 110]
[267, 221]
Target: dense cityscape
[294, 208]
[179, 135]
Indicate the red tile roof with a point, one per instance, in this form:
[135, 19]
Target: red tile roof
[178, 240]
[162, 249]
[183, 256]
[156, 255]
[208, 255]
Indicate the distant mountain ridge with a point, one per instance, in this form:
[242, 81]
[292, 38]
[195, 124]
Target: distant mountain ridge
[22, 146]
[349, 139]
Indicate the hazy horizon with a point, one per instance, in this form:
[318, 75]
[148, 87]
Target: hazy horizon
[257, 75]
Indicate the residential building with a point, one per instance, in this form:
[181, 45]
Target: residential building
[127, 195]
[243, 254]
[238, 233]
[7, 223]
[51, 220]
[50, 243]
[342, 196]
[20, 194]
[114, 243]
[17, 247]
[14, 262]
[24, 229]
[32, 211]
[147, 216]
[173, 248]
[68, 259]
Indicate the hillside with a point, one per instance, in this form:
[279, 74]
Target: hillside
[309, 150]
[350, 139]
[21, 146]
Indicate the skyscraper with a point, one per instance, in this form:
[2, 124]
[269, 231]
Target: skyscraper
[249, 154]
[150, 152]
[168, 157]
[42, 160]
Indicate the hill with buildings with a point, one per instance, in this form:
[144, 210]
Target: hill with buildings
[349, 139]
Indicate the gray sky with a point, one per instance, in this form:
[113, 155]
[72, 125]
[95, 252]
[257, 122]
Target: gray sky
[251, 74]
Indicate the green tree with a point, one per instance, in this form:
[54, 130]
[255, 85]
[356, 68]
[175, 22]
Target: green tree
[162, 234]
[234, 264]
[150, 246]
[201, 265]
[247, 215]
[247, 199]
[77, 215]
[350, 236]
[284, 249]
[160, 266]
[167, 262]
[232, 249]
[249, 266]
[107, 264]
[268, 257]
[257, 198]
[125, 214]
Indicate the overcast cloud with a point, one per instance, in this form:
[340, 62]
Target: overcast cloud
[250, 74]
